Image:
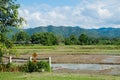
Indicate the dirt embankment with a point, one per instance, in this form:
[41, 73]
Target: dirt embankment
[84, 59]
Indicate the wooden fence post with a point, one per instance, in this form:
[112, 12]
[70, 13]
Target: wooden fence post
[10, 59]
[30, 58]
[50, 63]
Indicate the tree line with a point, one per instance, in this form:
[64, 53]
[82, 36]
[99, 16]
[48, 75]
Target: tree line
[47, 38]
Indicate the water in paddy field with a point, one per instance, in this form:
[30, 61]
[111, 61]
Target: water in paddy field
[107, 69]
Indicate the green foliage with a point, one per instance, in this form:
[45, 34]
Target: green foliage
[65, 32]
[1, 54]
[67, 41]
[43, 65]
[23, 68]
[29, 67]
[35, 67]
[72, 40]
[32, 67]
[8, 18]
[44, 39]
[5, 41]
[3, 38]
[9, 67]
[83, 39]
[21, 37]
[9, 15]
[9, 44]
[3, 50]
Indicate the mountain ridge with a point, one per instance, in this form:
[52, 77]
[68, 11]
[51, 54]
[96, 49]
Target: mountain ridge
[66, 31]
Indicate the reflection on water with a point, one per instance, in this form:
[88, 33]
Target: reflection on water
[112, 59]
[84, 66]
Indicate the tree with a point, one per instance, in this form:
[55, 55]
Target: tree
[67, 41]
[92, 41]
[60, 39]
[44, 38]
[21, 37]
[9, 17]
[72, 40]
[83, 39]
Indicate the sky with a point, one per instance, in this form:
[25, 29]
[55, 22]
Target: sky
[87, 14]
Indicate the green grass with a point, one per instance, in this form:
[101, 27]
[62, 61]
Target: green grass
[72, 49]
[53, 76]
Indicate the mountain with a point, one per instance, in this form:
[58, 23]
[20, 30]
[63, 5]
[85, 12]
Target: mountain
[68, 30]
[62, 30]
[107, 32]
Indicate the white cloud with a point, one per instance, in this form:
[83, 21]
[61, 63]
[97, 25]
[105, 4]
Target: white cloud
[104, 13]
[87, 14]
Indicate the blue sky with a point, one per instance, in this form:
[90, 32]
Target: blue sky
[50, 2]
[84, 13]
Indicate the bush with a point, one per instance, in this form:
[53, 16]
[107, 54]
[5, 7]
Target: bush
[35, 67]
[1, 54]
[9, 67]
[1, 67]
[13, 67]
[42, 65]
[29, 67]
[32, 67]
[9, 44]
[3, 50]
[23, 68]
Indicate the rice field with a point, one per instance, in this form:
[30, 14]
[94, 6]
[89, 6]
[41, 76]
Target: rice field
[73, 49]
[62, 49]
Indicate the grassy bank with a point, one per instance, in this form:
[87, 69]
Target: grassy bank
[53, 76]
[71, 49]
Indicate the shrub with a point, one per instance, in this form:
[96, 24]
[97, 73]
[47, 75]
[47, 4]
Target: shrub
[29, 67]
[9, 67]
[35, 67]
[13, 68]
[43, 65]
[23, 68]
[3, 50]
[32, 67]
[8, 44]
[1, 54]
[1, 67]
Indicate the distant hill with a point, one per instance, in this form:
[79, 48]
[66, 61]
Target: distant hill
[67, 31]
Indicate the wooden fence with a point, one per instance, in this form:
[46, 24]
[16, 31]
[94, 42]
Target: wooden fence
[11, 59]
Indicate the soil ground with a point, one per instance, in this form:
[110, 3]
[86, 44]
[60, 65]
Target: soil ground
[76, 58]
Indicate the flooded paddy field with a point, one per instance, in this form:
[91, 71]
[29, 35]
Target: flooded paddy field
[90, 64]
[87, 68]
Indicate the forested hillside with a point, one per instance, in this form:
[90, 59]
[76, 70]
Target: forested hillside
[66, 31]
